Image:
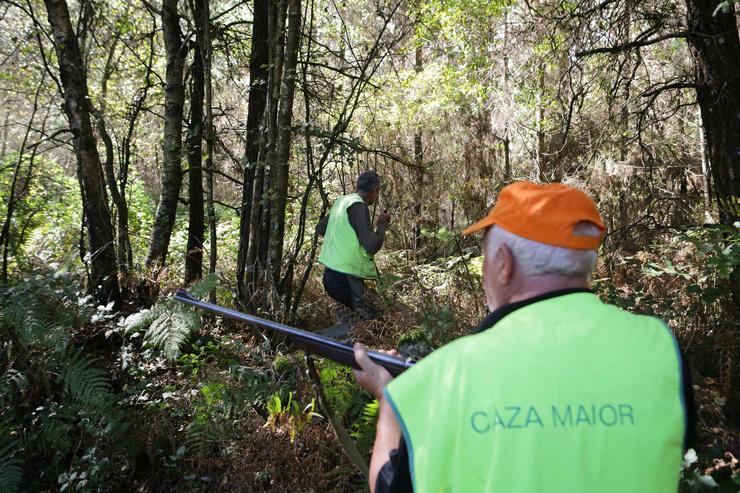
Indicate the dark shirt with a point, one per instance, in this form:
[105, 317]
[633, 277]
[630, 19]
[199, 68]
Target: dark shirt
[359, 219]
[395, 476]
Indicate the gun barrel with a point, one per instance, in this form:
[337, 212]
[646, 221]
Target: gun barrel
[308, 341]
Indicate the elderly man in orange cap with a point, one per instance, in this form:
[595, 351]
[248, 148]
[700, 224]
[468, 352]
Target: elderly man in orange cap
[553, 391]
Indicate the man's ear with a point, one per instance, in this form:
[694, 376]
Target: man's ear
[505, 265]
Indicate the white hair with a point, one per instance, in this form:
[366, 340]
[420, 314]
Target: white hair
[534, 259]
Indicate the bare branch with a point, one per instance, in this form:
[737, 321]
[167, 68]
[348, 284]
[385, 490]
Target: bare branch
[631, 45]
[668, 87]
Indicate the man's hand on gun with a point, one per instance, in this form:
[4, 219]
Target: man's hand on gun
[372, 377]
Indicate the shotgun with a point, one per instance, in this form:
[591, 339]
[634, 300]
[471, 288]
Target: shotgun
[308, 341]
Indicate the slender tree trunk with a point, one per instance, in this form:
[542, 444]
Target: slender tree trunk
[262, 272]
[704, 163]
[292, 302]
[206, 50]
[345, 115]
[258, 75]
[103, 274]
[125, 151]
[110, 178]
[118, 198]
[715, 46]
[4, 145]
[174, 96]
[277, 13]
[507, 139]
[252, 268]
[418, 160]
[540, 124]
[624, 137]
[13, 199]
[196, 224]
[124, 242]
[13, 196]
[284, 134]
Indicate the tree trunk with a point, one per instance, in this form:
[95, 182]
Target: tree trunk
[103, 274]
[174, 96]
[13, 196]
[624, 136]
[117, 196]
[715, 47]
[119, 200]
[204, 41]
[314, 179]
[252, 269]
[257, 252]
[282, 148]
[125, 153]
[196, 224]
[258, 75]
[507, 139]
[418, 161]
[704, 164]
[540, 125]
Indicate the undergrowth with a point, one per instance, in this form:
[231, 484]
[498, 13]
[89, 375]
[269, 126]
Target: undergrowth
[161, 399]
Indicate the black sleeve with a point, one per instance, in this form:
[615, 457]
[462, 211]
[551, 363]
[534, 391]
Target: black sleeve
[359, 219]
[395, 475]
[321, 227]
[689, 439]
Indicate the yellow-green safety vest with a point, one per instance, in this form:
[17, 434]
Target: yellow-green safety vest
[567, 394]
[341, 251]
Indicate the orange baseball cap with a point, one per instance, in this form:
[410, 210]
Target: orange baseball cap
[544, 213]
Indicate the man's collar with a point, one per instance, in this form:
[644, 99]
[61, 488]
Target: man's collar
[495, 316]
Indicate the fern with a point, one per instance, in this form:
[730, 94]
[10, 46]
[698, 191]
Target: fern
[363, 428]
[205, 286]
[37, 315]
[139, 321]
[168, 325]
[341, 393]
[206, 439]
[12, 384]
[71, 401]
[51, 335]
[11, 468]
[52, 431]
[86, 384]
[170, 331]
[199, 441]
[45, 299]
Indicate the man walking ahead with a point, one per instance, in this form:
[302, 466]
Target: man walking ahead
[554, 392]
[349, 246]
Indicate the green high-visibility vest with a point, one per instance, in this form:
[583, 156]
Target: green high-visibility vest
[563, 395]
[341, 251]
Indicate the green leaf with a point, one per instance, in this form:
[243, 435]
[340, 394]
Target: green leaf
[139, 321]
[85, 383]
[11, 468]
